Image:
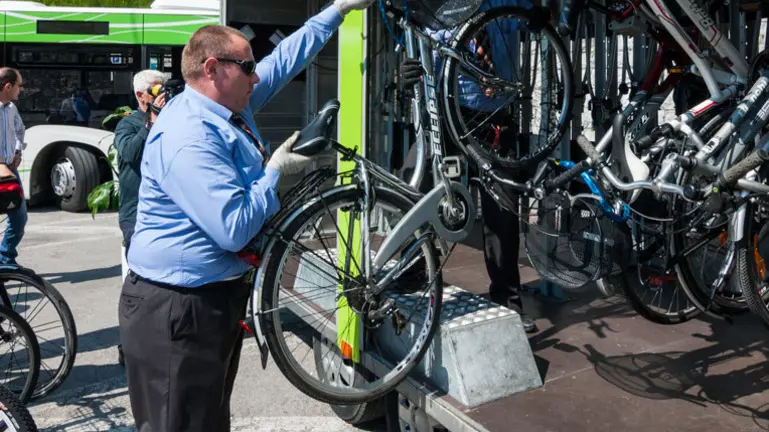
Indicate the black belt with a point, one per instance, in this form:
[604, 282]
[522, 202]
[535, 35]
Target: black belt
[246, 278]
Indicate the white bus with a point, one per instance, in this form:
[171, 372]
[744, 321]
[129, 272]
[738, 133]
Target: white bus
[89, 53]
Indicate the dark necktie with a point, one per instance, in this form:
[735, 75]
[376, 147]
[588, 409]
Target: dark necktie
[238, 120]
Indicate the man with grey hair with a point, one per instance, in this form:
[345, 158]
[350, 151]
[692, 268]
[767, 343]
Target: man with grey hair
[130, 135]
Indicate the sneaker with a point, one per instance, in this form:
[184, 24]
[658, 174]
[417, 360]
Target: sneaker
[514, 303]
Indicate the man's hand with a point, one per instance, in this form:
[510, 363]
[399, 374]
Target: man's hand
[158, 103]
[5, 171]
[410, 72]
[16, 160]
[286, 161]
[345, 6]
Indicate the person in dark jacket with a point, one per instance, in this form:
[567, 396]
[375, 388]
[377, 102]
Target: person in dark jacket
[130, 135]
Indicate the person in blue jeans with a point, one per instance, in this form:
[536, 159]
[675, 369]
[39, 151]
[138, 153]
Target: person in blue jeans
[11, 147]
[495, 52]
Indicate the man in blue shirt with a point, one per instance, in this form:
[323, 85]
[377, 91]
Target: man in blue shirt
[207, 188]
[493, 49]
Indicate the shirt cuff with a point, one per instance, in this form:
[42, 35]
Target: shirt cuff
[271, 177]
[331, 16]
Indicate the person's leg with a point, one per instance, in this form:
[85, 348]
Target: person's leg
[205, 352]
[238, 302]
[179, 347]
[14, 232]
[127, 227]
[500, 249]
[501, 231]
[147, 348]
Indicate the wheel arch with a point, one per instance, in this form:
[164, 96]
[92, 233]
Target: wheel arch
[45, 143]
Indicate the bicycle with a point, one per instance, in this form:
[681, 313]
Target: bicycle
[719, 148]
[639, 120]
[15, 330]
[14, 416]
[42, 306]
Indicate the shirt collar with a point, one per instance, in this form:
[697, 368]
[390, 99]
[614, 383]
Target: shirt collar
[218, 109]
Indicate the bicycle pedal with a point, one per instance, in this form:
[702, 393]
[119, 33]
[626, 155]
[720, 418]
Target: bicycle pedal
[452, 167]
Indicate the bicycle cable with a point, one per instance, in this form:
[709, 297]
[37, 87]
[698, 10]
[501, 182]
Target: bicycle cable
[398, 41]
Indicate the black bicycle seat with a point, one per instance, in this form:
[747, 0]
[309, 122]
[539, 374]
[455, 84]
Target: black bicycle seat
[315, 137]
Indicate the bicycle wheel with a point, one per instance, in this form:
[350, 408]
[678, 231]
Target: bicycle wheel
[14, 416]
[305, 322]
[696, 273]
[43, 307]
[750, 278]
[14, 330]
[536, 105]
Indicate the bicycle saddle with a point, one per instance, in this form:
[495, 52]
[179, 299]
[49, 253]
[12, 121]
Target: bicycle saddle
[315, 137]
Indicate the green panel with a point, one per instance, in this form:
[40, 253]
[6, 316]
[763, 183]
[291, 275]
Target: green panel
[127, 28]
[173, 29]
[351, 56]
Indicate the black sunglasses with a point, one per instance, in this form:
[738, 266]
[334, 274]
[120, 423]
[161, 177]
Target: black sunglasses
[247, 66]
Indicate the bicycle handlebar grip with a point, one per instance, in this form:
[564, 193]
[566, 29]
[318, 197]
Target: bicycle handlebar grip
[588, 148]
[644, 142]
[478, 157]
[567, 175]
[751, 162]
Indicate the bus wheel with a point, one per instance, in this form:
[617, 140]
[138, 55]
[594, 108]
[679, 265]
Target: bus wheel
[73, 176]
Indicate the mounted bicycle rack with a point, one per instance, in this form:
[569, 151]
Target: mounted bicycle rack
[480, 353]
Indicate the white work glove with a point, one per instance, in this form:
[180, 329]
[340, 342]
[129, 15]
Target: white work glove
[287, 162]
[345, 6]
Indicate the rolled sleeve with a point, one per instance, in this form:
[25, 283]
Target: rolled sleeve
[292, 55]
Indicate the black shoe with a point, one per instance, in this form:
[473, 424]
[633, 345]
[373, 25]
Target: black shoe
[513, 302]
[529, 326]
[120, 358]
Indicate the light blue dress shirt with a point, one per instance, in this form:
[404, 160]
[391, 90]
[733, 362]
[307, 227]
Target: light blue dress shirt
[204, 193]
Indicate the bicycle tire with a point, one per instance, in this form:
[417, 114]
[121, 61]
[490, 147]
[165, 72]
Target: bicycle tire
[641, 308]
[745, 266]
[691, 286]
[15, 411]
[33, 349]
[28, 276]
[271, 278]
[451, 70]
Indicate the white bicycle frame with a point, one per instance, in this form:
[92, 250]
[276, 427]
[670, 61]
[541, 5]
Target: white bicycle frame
[707, 27]
[657, 10]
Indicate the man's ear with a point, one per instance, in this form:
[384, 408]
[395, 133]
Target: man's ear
[209, 67]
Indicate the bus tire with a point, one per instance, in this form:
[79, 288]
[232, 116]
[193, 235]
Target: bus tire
[73, 176]
[358, 414]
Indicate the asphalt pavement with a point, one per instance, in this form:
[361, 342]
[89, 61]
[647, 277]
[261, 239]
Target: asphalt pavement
[81, 257]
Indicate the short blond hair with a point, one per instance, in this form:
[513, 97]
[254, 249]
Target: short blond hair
[207, 41]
